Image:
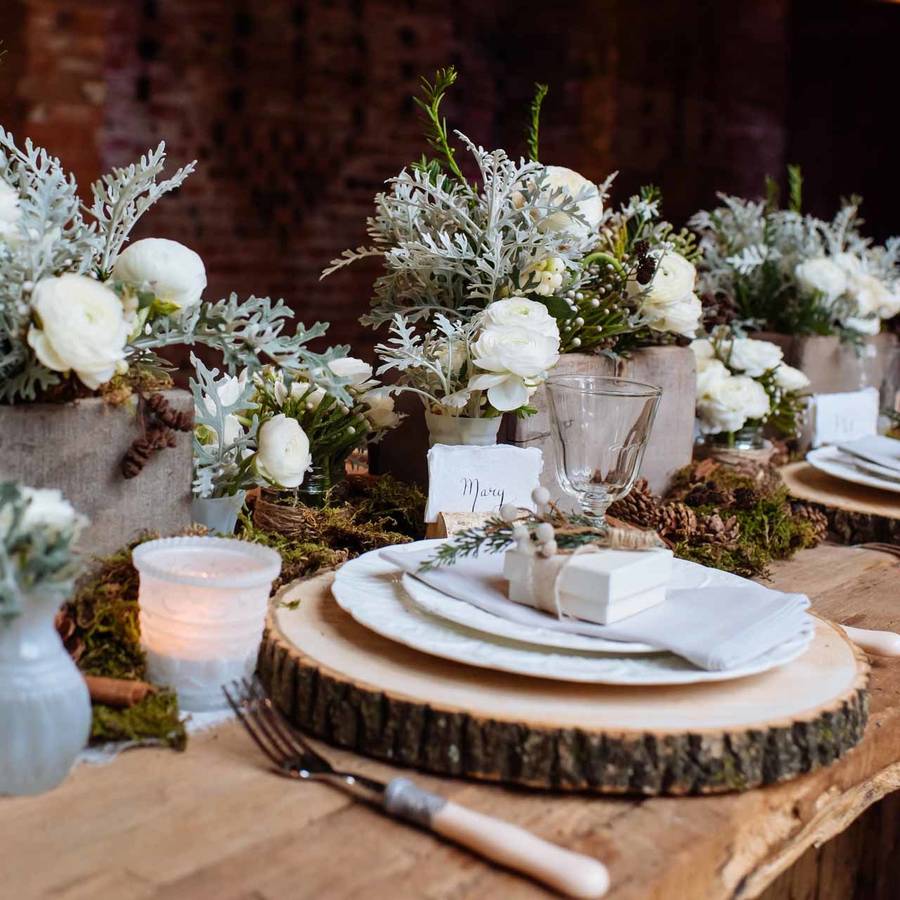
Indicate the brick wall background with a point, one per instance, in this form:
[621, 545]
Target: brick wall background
[297, 111]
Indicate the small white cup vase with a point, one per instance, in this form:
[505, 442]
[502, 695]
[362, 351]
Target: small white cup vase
[45, 709]
[218, 513]
[456, 430]
[203, 603]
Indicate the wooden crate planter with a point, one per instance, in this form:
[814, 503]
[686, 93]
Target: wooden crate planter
[78, 448]
[833, 367]
[672, 440]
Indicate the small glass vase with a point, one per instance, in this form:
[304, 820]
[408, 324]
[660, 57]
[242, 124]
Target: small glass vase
[319, 484]
[462, 430]
[750, 437]
[45, 709]
[745, 445]
[218, 514]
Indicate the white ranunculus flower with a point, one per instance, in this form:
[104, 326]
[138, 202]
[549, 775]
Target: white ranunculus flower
[282, 455]
[849, 262]
[862, 325]
[381, 414]
[673, 280]
[520, 312]
[451, 355]
[544, 278]
[354, 369]
[81, 328]
[668, 303]
[516, 361]
[10, 213]
[590, 207]
[790, 379]
[709, 375]
[729, 403]
[173, 272]
[312, 394]
[822, 275]
[682, 317]
[754, 357]
[871, 294]
[48, 509]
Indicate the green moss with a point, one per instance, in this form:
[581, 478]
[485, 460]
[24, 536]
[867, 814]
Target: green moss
[371, 513]
[758, 500]
[154, 720]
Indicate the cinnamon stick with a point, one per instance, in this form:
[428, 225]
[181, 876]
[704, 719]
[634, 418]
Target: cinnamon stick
[117, 691]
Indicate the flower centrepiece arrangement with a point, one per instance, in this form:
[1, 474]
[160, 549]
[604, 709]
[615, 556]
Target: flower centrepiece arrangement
[743, 385]
[283, 428]
[471, 260]
[82, 312]
[767, 267]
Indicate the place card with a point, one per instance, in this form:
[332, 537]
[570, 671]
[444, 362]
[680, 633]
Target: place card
[468, 479]
[843, 417]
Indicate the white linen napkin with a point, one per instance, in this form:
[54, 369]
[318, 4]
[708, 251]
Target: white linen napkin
[714, 627]
[881, 450]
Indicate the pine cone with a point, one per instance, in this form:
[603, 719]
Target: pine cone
[638, 507]
[676, 522]
[818, 519]
[713, 529]
[157, 437]
[180, 420]
[68, 632]
[706, 493]
[719, 309]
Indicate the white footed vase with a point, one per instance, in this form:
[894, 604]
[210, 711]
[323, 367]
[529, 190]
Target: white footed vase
[45, 709]
[457, 430]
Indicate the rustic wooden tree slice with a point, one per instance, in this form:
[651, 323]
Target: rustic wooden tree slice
[355, 689]
[857, 514]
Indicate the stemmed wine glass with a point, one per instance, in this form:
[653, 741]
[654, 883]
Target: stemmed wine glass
[600, 430]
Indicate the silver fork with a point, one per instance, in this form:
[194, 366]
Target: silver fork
[293, 756]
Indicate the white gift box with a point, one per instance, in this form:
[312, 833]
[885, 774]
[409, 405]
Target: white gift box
[602, 586]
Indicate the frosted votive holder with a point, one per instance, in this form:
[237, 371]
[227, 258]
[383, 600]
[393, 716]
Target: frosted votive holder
[203, 604]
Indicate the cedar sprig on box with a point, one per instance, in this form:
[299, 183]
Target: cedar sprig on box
[545, 532]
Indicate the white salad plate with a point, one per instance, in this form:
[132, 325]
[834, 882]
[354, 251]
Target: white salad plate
[832, 461]
[370, 589]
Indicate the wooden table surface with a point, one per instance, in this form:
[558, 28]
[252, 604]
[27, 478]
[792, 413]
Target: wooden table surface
[214, 823]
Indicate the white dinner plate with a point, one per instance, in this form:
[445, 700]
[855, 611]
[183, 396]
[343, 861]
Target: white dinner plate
[437, 603]
[833, 462]
[370, 589]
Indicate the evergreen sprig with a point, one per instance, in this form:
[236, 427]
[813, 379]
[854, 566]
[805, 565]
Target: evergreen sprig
[534, 124]
[430, 103]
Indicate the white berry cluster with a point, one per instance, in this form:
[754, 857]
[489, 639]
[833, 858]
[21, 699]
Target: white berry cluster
[541, 541]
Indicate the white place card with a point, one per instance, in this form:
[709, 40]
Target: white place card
[843, 417]
[480, 479]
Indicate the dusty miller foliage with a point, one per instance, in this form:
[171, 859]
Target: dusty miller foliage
[219, 467]
[58, 233]
[451, 247]
[751, 248]
[435, 365]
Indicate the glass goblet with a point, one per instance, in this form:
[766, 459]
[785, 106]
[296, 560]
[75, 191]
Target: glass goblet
[600, 430]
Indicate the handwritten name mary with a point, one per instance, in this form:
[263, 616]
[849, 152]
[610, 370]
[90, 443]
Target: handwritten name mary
[482, 497]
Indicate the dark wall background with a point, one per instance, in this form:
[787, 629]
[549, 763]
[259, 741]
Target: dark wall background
[297, 111]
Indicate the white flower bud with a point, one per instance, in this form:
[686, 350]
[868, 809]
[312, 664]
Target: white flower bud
[545, 533]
